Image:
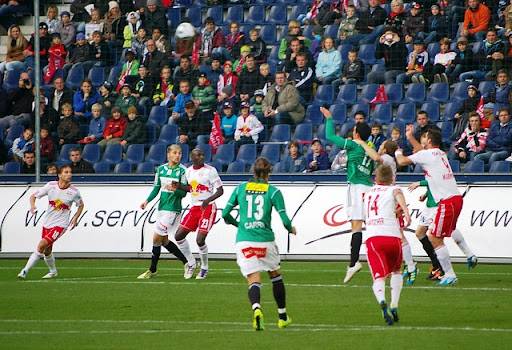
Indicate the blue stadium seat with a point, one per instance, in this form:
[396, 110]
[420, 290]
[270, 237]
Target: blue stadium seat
[382, 113]
[146, 168]
[347, 94]
[307, 32]
[234, 14]
[75, 77]
[203, 139]
[123, 168]
[367, 54]
[280, 133]
[331, 31]
[256, 15]
[225, 154]
[324, 94]
[460, 91]
[277, 15]
[97, 76]
[135, 154]
[113, 154]
[314, 115]
[455, 165]
[303, 133]
[439, 92]
[272, 152]
[11, 80]
[298, 10]
[394, 92]
[158, 115]
[320, 132]
[339, 113]
[101, 167]
[344, 49]
[347, 127]
[115, 71]
[446, 131]
[185, 152]
[417, 169]
[432, 109]
[433, 49]
[477, 47]
[474, 166]
[406, 113]
[364, 107]
[173, 17]
[12, 168]
[486, 86]
[247, 154]
[91, 152]
[450, 109]
[64, 151]
[157, 154]
[264, 2]
[236, 167]
[207, 150]
[217, 165]
[278, 168]
[194, 15]
[416, 93]
[368, 92]
[14, 132]
[150, 134]
[500, 167]
[168, 134]
[268, 34]
[217, 13]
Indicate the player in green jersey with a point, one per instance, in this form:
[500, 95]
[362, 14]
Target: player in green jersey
[359, 175]
[256, 249]
[169, 207]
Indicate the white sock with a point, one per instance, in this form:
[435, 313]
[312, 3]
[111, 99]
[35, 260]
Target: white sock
[203, 255]
[32, 260]
[443, 255]
[407, 256]
[395, 283]
[50, 261]
[379, 289]
[461, 242]
[185, 249]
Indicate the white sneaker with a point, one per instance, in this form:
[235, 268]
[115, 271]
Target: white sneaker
[509, 159]
[202, 274]
[189, 271]
[50, 275]
[22, 275]
[351, 271]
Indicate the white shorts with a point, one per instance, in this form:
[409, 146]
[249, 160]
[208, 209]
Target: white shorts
[427, 216]
[257, 256]
[167, 221]
[355, 201]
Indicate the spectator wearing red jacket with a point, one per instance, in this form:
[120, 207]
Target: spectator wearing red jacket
[210, 40]
[114, 129]
[476, 20]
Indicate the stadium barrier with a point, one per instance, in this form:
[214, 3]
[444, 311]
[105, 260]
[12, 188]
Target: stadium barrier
[113, 224]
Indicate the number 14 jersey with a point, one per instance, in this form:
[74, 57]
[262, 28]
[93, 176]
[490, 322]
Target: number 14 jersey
[380, 205]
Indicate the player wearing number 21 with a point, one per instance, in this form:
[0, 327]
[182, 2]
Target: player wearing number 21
[61, 196]
[256, 249]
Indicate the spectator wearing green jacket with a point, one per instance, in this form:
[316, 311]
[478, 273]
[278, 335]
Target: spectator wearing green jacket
[125, 99]
[203, 96]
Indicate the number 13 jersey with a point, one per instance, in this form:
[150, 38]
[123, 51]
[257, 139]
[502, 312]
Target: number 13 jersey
[380, 205]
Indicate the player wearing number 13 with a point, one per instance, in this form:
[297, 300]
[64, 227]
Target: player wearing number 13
[256, 249]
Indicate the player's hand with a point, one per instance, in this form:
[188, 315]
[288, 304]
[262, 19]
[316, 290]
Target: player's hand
[409, 131]
[422, 197]
[326, 113]
[33, 209]
[293, 231]
[205, 204]
[144, 205]
[413, 186]
[73, 223]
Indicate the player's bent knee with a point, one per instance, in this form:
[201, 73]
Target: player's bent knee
[274, 274]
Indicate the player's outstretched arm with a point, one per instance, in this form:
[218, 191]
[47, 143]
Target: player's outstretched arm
[401, 159]
[399, 196]
[33, 207]
[368, 150]
[226, 212]
[330, 132]
[278, 203]
[74, 219]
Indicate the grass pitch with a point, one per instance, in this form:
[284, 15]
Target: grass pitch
[99, 304]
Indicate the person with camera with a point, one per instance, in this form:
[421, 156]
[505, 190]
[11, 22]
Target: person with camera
[19, 104]
[392, 48]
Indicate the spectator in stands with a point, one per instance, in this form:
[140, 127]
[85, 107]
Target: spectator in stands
[294, 31]
[328, 65]
[10, 9]
[192, 124]
[508, 50]
[317, 159]
[210, 40]
[135, 132]
[19, 104]
[51, 169]
[186, 71]
[203, 96]
[266, 79]
[29, 163]
[499, 140]
[130, 30]
[95, 24]
[57, 96]
[126, 100]
[107, 98]
[396, 136]
[113, 30]
[310, 16]
[396, 17]
[79, 12]
[303, 77]
[370, 24]
[377, 137]
[68, 130]
[329, 12]
[154, 17]
[257, 104]
[16, 46]
[239, 64]
[257, 45]
[96, 126]
[22, 144]
[359, 117]
[294, 162]
[129, 71]
[248, 127]
[414, 23]
[84, 98]
[57, 54]
[282, 102]
[66, 29]
[46, 146]
[423, 124]
[352, 71]
[214, 70]
[463, 61]
[228, 122]
[348, 23]
[295, 48]
[394, 52]
[80, 53]
[44, 44]
[436, 26]
[234, 41]
[163, 95]
[79, 165]
[476, 20]
[162, 43]
[52, 18]
[143, 90]
[227, 79]
[442, 61]
[494, 51]
[316, 44]
[417, 65]
[139, 44]
[114, 129]
[501, 95]
[99, 53]
[471, 142]
[469, 105]
[181, 99]
[248, 79]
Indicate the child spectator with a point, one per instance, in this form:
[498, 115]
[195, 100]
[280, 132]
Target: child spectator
[81, 52]
[125, 100]
[139, 44]
[107, 98]
[239, 64]
[57, 58]
[266, 79]
[462, 116]
[135, 132]
[95, 24]
[47, 148]
[376, 137]
[234, 40]
[436, 26]
[317, 159]
[463, 61]
[214, 71]
[143, 90]
[228, 122]
[52, 19]
[51, 169]
[131, 28]
[129, 71]
[442, 61]
[66, 29]
[257, 45]
[396, 136]
[416, 65]
[294, 162]
[203, 96]
[227, 79]
[162, 43]
[114, 129]
[348, 24]
[68, 130]
[316, 43]
[248, 126]
[328, 65]
[183, 97]
[257, 104]
[99, 52]
[352, 71]
[163, 95]
[96, 126]
[22, 144]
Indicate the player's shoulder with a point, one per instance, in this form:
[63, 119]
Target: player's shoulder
[182, 167]
[52, 183]
[210, 168]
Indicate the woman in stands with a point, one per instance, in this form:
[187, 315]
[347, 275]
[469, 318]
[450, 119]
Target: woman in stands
[16, 44]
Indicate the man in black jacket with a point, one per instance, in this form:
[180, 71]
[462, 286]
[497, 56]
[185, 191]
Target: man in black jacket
[154, 60]
[154, 17]
[185, 71]
[423, 124]
[29, 163]
[392, 48]
[142, 90]
[303, 76]
[19, 104]
[59, 95]
[45, 41]
[248, 81]
[191, 124]
[78, 165]
[370, 24]
[296, 47]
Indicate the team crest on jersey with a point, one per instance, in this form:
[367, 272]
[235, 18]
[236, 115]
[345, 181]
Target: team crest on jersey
[59, 205]
[256, 188]
[196, 188]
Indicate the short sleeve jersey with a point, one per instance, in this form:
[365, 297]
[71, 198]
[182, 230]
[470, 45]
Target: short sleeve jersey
[164, 176]
[380, 205]
[59, 203]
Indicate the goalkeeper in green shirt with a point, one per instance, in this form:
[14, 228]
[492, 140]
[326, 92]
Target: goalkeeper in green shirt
[256, 249]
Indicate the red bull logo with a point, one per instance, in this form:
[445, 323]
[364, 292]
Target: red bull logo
[58, 205]
[196, 188]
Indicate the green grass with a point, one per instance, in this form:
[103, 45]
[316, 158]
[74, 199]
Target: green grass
[99, 304]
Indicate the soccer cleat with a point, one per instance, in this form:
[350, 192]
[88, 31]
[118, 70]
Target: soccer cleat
[202, 274]
[394, 313]
[351, 271]
[435, 275]
[405, 271]
[411, 276]
[385, 314]
[284, 323]
[146, 275]
[189, 271]
[472, 262]
[257, 320]
[50, 275]
[447, 281]
[22, 275]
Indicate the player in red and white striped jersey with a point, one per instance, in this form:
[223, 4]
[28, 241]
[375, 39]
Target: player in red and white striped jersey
[61, 196]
